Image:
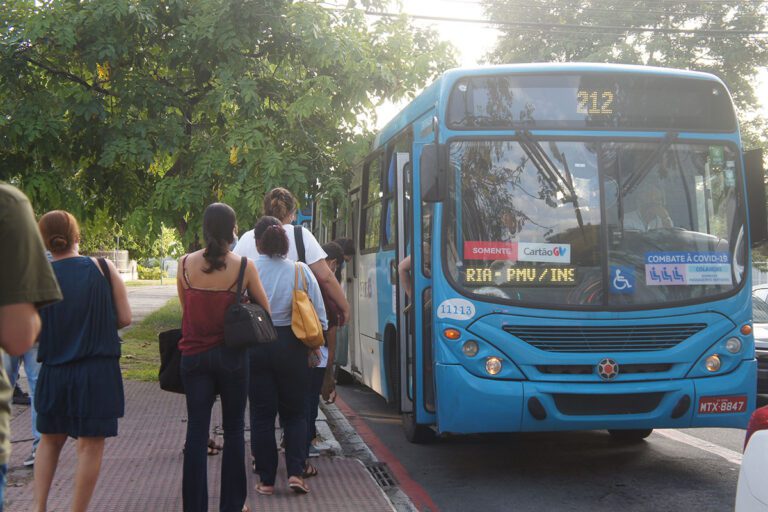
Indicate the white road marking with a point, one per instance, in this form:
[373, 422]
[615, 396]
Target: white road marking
[729, 455]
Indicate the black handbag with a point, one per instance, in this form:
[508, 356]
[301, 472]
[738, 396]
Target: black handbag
[247, 324]
[170, 361]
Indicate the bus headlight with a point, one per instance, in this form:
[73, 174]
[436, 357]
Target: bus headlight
[493, 365]
[712, 363]
[470, 348]
[733, 345]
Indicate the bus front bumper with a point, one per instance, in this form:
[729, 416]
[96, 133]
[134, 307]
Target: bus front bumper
[470, 404]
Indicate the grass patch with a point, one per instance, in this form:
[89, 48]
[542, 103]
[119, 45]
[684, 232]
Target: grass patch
[141, 355]
[151, 282]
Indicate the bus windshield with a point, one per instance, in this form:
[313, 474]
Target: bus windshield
[604, 223]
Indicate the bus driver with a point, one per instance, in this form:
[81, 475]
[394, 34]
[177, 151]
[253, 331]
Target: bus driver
[651, 213]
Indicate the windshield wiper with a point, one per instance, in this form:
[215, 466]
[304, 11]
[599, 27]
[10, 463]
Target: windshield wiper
[643, 169]
[551, 173]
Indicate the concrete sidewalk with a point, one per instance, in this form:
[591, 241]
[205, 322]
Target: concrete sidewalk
[142, 467]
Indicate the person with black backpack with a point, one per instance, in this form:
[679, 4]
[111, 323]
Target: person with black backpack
[209, 282]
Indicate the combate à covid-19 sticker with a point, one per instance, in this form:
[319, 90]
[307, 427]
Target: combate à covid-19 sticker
[687, 268]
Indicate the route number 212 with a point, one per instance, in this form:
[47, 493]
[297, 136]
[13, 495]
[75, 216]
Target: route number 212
[594, 102]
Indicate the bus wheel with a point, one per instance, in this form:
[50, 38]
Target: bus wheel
[415, 433]
[630, 436]
[343, 377]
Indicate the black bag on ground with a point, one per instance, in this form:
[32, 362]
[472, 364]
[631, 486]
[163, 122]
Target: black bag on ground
[247, 324]
[170, 361]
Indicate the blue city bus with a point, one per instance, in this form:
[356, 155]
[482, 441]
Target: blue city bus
[580, 239]
[305, 215]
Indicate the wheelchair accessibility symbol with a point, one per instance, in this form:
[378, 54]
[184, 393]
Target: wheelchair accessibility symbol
[622, 280]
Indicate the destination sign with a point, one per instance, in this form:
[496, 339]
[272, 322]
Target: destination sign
[599, 100]
[520, 276]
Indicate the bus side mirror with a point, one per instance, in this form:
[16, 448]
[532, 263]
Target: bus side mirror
[432, 179]
[755, 176]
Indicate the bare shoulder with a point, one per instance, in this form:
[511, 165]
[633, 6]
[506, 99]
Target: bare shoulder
[235, 259]
[192, 257]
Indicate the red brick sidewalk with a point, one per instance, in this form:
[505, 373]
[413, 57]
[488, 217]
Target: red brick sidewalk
[142, 467]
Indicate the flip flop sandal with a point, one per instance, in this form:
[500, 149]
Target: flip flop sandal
[297, 485]
[264, 490]
[213, 448]
[309, 471]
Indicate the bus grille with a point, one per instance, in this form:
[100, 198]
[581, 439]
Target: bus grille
[622, 338]
[589, 369]
[590, 405]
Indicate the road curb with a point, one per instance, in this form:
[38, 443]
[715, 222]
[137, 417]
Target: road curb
[353, 445]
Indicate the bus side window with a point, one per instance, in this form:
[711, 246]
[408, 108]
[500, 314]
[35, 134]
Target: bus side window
[426, 238]
[390, 215]
[371, 214]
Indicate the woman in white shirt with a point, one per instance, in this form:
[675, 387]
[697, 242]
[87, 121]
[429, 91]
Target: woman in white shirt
[280, 203]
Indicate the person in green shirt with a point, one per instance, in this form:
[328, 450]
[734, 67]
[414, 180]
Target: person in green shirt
[26, 284]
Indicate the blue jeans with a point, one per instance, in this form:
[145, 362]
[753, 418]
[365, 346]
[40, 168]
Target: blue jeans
[3, 471]
[316, 377]
[278, 384]
[32, 369]
[221, 371]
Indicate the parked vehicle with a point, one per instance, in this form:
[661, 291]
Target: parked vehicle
[760, 323]
[751, 491]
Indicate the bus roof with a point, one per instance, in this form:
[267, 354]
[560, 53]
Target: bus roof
[430, 97]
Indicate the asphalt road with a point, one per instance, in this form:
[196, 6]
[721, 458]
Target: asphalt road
[146, 299]
[572, 471]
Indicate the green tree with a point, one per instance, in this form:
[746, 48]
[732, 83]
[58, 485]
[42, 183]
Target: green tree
[152, 109]
[716, 37]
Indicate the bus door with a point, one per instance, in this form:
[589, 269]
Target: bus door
[348, 335]
[404, 236]
[419, 374]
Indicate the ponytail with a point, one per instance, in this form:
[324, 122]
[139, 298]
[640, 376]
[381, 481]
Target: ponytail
[219, 223]
[213, 255]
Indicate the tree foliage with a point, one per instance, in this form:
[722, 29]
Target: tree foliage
[151, 109]
[689, 35]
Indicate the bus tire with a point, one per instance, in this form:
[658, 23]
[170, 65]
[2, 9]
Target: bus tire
[630, 436]
[343, 377]
[415, 433]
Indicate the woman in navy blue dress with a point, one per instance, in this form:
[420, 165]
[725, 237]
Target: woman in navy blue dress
[80, 389]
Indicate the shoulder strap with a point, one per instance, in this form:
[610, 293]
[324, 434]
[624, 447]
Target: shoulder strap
[105, 270]
[184, 270]
[304, 286]
[243, 263]
[298, 235]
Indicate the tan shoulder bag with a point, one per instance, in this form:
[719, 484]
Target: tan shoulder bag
[305, 323]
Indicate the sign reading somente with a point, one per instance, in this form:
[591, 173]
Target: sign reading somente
[518, 251]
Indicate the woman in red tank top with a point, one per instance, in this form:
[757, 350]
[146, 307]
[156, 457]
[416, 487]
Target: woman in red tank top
[206, 286]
